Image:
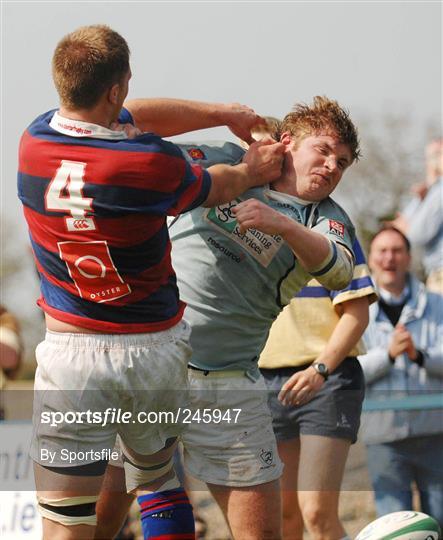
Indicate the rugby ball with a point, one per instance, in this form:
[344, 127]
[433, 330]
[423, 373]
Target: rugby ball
[406, 525]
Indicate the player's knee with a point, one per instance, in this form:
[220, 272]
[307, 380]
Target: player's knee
[317, 516]
[153, 477]
[69, 511]
[112, 510]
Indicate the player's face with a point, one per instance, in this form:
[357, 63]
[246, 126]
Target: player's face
[315, 164]
[389, 260]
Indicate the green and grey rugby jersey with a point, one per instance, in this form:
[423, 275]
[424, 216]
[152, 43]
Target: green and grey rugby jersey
[235, 284]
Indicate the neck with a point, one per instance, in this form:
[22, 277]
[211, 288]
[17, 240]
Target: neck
[96, 115]
[395, 288]
[285, 186]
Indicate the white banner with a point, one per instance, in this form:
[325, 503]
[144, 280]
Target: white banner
[19, 517]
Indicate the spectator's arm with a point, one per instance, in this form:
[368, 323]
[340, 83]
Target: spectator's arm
[433, 361]
[424, 223]
[375, 363]
[10, 344]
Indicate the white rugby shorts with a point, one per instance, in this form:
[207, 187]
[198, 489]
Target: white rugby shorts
[125, 373]
[228, 439]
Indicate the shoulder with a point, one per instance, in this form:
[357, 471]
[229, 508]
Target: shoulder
[434, 304]
[338, 221]
[334, 209]
[42, 120]
[212, 153]
[153, 144]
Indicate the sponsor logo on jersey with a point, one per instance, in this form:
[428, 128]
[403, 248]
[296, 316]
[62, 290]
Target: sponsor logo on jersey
[337, 228]
[225, 250]
[263, 247]
[80, 224]
[92, 270]
[72, 127]
[196, 154]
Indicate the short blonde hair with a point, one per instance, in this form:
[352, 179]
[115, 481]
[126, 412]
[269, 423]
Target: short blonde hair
[324, 115]
[88, 62]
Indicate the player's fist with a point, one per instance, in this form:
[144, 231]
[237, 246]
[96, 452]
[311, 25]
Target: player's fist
[130, 130]
[253, 214]
[241, 119]
[265, 160]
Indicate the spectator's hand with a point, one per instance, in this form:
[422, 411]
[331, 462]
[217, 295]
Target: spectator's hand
[253, 214]
[240, 119]
[130, 130]
[410, 350]
[399, 223]
[301, 387]
[402, 342]
[265, 160]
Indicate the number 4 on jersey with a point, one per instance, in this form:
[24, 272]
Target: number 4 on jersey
[65, 193]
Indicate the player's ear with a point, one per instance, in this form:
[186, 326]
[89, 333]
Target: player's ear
[114, 93]
[286, 137]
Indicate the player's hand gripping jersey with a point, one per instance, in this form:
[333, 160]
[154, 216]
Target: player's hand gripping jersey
[234, 283]
[96, 206]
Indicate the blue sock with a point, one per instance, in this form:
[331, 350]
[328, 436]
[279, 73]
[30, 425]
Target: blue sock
[167, 515]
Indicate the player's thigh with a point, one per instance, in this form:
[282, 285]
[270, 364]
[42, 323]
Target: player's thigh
[253, 512]
[157, 389]
[289, 452]
[322, 462]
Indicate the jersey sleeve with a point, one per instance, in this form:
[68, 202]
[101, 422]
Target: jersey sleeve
[125, 117]
[213, 153]
[361, 284]
[337, 227]
[193, 191]
[196, 183]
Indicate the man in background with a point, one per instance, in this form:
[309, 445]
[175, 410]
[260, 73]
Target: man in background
[403, 365]
[422, 219]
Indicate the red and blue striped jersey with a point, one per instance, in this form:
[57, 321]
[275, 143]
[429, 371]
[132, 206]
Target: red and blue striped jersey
[96, 206]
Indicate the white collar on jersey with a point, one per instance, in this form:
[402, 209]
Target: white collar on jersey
[77, 128]
[286, 198]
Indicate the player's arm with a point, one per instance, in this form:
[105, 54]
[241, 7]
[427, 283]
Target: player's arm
[330, 263]
[261, 164]
[167, 117]
[349, 329]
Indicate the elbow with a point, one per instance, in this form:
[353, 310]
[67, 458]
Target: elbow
[340, 280]
[337, 278]
[337, 273]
